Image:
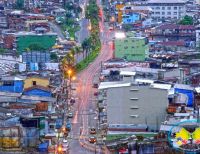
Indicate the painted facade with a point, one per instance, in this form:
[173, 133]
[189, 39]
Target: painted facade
[130, 18]
[36, 81]
[131, 48]
[11, 85]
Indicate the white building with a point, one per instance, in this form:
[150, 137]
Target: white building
[169, 9]
[198, 36]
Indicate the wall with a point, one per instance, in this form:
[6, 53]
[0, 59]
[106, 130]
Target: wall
[40, 82]
[17, 87]
[150, 106]
[46, 41]
[130, 18]
[133, 49]
[38, 92]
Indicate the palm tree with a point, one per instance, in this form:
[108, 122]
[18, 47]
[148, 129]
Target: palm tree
[86, 44]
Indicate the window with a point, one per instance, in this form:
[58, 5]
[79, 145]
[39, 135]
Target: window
[175, 13]
[175, 8]
[133, 47]
[134, 116]
[8, 83]
[133, 98]
[126, 47]
[163, 13]
[34, 83]
[134, 107]
[168, 13]
[125, 40]
[157, 12]
[163, 8]
[157, 8]
[169, 8]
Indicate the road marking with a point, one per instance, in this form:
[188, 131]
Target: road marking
[75, 120]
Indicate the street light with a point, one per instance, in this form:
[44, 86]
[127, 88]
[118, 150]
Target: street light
[69, 72]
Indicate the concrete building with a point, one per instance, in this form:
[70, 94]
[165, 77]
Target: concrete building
[169, 9]
[141, 104]
[130, 18]
[131, 48]
[198, 36]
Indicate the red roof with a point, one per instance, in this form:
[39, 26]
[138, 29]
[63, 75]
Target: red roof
[172, 43]
[175, 26]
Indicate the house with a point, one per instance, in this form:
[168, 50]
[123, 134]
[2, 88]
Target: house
[198, 36]
[16, 20]
[130, 18]
[136, 104]
[12, 84]
[3, 20]
[173, 32]
[58, 12]
[130, 47]
[37, 91]
[29, 82]
[167, 10]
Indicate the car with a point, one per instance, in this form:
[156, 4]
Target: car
[92, 139]
[92, 131]
[70, 115]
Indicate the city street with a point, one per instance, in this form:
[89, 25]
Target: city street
[84, 106]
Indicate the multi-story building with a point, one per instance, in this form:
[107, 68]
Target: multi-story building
[198, 36]
[169, 9]
[137, 105]
[131, 48]
[3, 20]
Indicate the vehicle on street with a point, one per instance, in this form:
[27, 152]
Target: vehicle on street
[92, 139]
[92, 130]
[70, 115]
[68, 126]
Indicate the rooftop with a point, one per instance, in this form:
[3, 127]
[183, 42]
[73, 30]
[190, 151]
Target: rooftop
[166, 2]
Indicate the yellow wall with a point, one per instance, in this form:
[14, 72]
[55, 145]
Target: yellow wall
[39, 81]
[119, 8]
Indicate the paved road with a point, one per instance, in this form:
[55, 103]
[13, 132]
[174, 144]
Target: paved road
[84, 93]
[55, 28]
[83, 33]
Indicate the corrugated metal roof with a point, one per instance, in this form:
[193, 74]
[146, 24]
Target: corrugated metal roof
[128, 73]
[106, 85]
[161, 86]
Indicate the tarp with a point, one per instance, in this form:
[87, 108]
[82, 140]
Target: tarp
[188, 93]
[43, 147]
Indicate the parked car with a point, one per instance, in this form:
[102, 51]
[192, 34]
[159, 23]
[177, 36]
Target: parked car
[70, 115]
[92, 130]
[92, 139]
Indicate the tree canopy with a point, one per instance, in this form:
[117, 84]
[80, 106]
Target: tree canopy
[187, 20]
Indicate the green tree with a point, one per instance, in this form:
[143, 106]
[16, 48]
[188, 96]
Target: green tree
[19, 4]
[54, 56]
[36, 47]
[187, 20]
[2, 50]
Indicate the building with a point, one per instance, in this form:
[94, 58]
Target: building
[36, 57]
[137, 104]
[167, 10]
[24, 39]
[36, 81]
[173, 32]
[16, 20]
[137, 9]
[198, 36]
[11, 84]
[130, 18]
[3, 20]
[131, 48]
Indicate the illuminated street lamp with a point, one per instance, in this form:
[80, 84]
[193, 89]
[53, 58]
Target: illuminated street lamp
[69, 72]
[73, 78]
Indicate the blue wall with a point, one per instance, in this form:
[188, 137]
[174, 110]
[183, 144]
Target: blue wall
[189, 94]
[38, 92]
[130, 18]
[17, 87]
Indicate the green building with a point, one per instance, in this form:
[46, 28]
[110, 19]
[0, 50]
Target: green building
[131, 48]
[25, 39]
